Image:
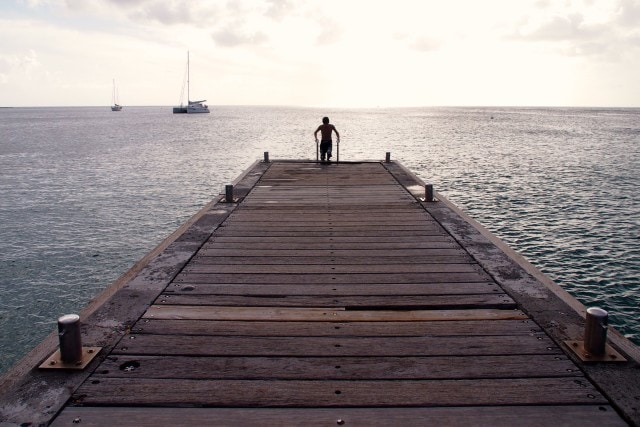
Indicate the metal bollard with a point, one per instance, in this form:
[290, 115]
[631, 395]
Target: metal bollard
[70, 340]
[266, 157]
[428, 193]
[228, 191]
[387, 158]
[595, 331]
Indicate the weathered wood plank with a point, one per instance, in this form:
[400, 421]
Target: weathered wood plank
[363, 226]
[459, 258]
[389, 241]
[335, 329]
[329, 207]
[377, 187]
[531, 391]
[350, 213]
[505, 416]
[323, 231]
[303, 196]
[438, 277]
[193, 345]
[250, 250]
[405, 302]
[299, 220]
[338, 368]
[323, 314]
[202, 268]
[336, 245]
[333, 289]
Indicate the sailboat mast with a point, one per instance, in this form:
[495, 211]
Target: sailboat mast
[188, 96]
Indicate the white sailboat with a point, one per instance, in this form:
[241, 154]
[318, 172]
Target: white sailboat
[192, 106]
[114, 99]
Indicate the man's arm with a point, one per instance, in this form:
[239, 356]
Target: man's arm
[337, 134]
[315, 134]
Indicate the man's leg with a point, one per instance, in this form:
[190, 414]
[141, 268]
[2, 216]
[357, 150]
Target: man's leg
[323, 150]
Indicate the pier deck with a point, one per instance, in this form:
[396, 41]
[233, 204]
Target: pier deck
[329, 294]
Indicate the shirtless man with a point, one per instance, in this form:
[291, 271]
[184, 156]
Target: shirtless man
[326, 130]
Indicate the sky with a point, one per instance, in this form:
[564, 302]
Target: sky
[321, 53]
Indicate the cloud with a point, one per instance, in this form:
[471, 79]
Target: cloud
[330, 31]
[167, 13]
[628, 13]
[424, 44]
[278, 9]
[127, 3]
[5, 68]
[234, 37]
[560, 28]
[418, 42]
[25, 65]
[33, 3]
[202, 14]
[605, 30]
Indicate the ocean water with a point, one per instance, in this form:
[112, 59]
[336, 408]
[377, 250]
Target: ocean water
[86, 192]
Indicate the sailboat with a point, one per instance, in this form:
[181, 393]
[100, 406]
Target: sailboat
[192, 106]
[114, 99]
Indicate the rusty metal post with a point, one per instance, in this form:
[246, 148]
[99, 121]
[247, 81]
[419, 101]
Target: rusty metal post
[428, 193]
[70, 339]
[228, 191]
[266, 157]
[387, 159]
[595, 331]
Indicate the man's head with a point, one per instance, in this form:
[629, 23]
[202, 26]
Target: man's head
[325, 120]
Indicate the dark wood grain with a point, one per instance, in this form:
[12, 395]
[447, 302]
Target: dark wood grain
[334, 393]
[336, 329]
[194, 345]
[332, 289]
[505, 416]
[323, 314]
[338, 368]
[387, 302]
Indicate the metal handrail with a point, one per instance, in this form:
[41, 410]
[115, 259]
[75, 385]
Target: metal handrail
[318, 150]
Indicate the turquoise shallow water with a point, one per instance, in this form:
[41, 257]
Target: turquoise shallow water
[86, 192]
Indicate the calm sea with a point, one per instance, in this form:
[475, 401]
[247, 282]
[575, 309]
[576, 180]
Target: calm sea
[86, 192]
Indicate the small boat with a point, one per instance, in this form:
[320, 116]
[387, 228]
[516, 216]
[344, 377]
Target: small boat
[192, 106]
[114, 99]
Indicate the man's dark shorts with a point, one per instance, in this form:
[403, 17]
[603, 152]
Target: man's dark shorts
[325, 147]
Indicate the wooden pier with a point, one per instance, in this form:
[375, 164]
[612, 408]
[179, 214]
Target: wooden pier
[330, 294]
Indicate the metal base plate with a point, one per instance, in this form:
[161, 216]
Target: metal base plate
[55, 362]
[610, 354]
